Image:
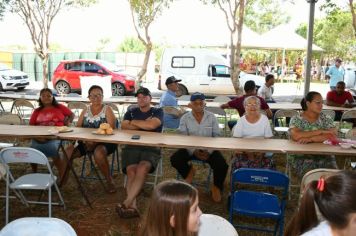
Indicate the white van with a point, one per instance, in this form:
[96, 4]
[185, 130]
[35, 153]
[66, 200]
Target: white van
[200, 70]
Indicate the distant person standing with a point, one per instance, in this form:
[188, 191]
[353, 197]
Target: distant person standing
[169, 104]
[335, 74]
[298, 69]
[266, 90]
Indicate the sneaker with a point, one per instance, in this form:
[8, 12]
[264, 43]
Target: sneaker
[189, 178]
[216, 194]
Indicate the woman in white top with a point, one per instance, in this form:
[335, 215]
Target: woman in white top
[252, 125]
[335, 197]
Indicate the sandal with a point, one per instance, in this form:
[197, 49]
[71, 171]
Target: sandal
[111, 188]
[126, 212]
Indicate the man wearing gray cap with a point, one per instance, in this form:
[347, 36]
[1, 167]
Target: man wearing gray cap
[169, 104]
[199, 122]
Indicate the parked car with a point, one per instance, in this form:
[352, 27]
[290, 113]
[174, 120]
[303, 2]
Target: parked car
[350, 78]
[66, 77]
[12, 79]
[200, 70]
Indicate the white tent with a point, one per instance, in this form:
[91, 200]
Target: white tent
[284, 37]
[206, 36]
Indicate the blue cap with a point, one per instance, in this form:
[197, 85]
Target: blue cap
[196, 96]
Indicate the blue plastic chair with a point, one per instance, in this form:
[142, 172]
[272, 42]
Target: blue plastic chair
[259, 204]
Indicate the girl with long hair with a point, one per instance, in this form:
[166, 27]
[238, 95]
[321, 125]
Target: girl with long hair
[335, 198]
[173, 210]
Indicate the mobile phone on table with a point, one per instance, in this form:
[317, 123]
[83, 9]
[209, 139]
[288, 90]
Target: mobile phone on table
[135, 136]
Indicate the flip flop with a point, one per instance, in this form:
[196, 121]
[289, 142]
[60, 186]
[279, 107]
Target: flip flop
[126, 212]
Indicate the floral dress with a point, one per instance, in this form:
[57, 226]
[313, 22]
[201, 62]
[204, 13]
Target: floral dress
[305, 163]
[91, 121]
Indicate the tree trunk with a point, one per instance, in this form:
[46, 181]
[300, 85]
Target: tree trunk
[353, 16]
[143, 70]
[235, 72]
[45, 70]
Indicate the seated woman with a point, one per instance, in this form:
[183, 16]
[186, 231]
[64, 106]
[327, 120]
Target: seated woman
[334, 197]
[252, 125]
[174, 210]
[311, 126]
[50, 113]
[95, 114]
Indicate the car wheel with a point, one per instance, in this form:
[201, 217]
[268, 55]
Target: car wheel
[63, 87]
[118, 89]
[182, 90]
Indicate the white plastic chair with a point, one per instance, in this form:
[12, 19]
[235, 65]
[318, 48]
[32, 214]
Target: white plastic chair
[38, 226]
[34, 181]
[212, 225]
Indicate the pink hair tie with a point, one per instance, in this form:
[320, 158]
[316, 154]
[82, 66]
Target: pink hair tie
[321, 184]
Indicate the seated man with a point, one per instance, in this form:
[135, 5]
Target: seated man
[237, 103]
[340, 98]
[266, 90]
[138, 161]
[169, 104]
[199, 122]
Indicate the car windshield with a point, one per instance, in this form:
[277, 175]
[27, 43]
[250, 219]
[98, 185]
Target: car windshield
[4, 67]
[111, 66]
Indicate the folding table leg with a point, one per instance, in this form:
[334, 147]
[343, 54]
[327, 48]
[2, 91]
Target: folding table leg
[70, 166]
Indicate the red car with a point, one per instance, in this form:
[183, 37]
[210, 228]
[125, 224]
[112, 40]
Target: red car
[66, 76]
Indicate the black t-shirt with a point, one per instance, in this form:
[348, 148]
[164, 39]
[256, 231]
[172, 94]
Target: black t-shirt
[136, 114]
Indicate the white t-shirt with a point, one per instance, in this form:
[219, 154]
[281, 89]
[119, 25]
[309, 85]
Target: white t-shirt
[323, 229]
[265, 92]
[245, 129]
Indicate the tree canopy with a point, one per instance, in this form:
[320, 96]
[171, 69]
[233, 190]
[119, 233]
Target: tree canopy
[334, 34]
[38, 17]
[263, 15]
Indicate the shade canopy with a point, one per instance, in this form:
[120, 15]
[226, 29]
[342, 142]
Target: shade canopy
[284, 37]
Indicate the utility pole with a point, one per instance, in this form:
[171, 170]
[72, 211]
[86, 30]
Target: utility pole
[310, 45]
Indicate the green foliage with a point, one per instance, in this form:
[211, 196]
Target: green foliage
[263, 15]
[103, 43]
[55, 47]
[158, 49]
[147, 10]
[3, 5]
[131, 44]
[334, 34]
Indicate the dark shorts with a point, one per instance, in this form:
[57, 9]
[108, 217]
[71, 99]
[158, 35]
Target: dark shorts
[110, 148]
[49, 148]
[132, 155]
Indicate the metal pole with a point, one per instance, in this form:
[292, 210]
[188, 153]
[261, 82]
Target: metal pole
[310, 45]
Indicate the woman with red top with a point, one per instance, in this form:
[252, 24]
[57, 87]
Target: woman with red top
[50, 113]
